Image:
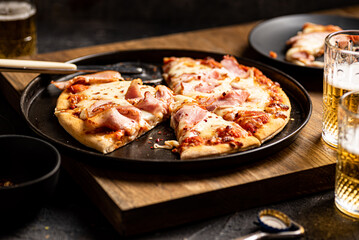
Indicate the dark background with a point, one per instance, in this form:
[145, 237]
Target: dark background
[104, 21]
[65, 24]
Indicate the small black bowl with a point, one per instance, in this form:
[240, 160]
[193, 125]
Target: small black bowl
[29, 171]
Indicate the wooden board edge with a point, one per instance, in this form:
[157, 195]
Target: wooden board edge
[215, 203]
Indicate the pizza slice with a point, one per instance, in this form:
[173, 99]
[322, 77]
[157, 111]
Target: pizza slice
[105, 112]
[246, 96]
[256, 103]
[308, 44]
[201, 133]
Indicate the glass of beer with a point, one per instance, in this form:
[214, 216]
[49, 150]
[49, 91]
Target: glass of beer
[341, 75]
[17, 28]
[347, 169]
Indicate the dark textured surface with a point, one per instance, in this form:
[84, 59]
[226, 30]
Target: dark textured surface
[69, 214]
[79, 23]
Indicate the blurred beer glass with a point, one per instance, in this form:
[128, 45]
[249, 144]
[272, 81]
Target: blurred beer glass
[347, 170]
[17, 28]
[341, 75]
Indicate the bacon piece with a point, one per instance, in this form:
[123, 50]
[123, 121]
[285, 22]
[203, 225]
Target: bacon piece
[112, 119]
[100, 77]
[130, 112]
[134, 91]
[230, 98]
[151, 104]
[95, 108]
[207, 81]
[76, 88]
[231, 64]
[204, 87]
[164, 94]
[191, 114]
[102, 105]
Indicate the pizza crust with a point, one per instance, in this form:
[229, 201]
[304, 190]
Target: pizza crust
[275, 124]
[75, 127]
[210, 150]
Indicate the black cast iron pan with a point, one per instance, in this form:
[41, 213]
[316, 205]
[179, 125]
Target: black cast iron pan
[39, 99]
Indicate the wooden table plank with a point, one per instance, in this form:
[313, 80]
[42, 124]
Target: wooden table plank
[139, 202]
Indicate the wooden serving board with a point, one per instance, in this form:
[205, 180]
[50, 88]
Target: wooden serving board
[140, 202]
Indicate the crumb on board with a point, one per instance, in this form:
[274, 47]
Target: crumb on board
[273, 54]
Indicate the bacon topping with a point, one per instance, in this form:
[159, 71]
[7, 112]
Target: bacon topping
[102, 105]
[190, 114]
[231, 64]
[151, 104]
[163, 93]
[230, 98]
[112, 119]
[130, 112]
[100, 77]
[134, 91]
[76, 88]
[96, 107]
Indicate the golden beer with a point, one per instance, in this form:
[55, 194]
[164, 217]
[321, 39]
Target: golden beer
[347, 178]
[347, 168]
[17, 29]
[331, 96]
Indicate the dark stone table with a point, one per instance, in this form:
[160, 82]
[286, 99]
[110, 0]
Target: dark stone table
[69, 214]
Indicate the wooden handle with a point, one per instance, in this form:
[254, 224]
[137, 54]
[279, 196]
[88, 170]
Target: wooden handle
[23, 64]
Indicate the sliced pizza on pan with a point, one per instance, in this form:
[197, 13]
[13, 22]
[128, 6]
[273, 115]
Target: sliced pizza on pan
[215, 107]
[245, 96]
[104, 112]
[202, 133]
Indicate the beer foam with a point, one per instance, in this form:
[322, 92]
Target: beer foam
[12, 11]
[345, 76]
[350, 141]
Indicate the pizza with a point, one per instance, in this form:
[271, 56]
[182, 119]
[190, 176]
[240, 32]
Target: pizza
[249, 107]
[105, 112]
[202, 133]
[308, 44]
[214, 107]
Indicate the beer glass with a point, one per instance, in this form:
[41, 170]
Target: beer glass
[17, 28]
[347, 169]
[341, 75]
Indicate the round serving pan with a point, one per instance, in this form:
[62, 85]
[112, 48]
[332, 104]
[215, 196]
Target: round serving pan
[272, 34]
[38, 102]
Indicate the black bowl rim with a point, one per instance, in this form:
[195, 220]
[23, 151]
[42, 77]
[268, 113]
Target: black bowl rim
[49, 174]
